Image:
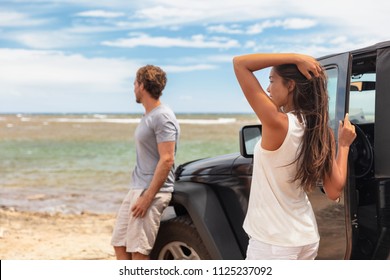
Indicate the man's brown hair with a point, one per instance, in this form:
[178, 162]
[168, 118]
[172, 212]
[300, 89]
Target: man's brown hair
[153, 78]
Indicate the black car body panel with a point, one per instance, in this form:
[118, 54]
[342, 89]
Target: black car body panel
[220, 165]
[203, 206]
[382, 135]
[229, 177]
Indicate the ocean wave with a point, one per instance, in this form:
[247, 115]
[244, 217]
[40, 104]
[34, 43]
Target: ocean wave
[102, 118]
[97, 120]
[137, 120]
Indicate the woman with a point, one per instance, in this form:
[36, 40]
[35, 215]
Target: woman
[296, 152]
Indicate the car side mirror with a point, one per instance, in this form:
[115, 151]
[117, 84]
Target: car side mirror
[249, 136]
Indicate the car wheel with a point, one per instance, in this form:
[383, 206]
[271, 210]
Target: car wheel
[178, 239]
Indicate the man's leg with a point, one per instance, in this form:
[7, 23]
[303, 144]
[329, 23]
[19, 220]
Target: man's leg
[118, 240]
[142, 232]
[139, 256]
[121, 253]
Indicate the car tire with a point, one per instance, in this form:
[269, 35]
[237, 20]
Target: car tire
[178, 239]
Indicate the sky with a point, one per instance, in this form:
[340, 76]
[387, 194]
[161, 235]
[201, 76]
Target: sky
[81, 56]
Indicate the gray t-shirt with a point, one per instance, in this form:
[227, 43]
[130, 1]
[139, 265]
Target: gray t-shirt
[159, 125]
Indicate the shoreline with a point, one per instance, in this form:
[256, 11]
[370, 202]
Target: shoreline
[43, 236]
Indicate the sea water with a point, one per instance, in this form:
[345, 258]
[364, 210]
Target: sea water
[83, 163]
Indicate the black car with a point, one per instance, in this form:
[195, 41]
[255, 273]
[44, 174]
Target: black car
[211, 195]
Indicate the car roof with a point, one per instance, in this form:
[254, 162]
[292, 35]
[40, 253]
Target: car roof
[374, 47]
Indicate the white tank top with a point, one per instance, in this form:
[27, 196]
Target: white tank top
[279, 211]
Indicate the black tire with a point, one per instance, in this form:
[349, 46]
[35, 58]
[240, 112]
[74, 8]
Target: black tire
[178, 239]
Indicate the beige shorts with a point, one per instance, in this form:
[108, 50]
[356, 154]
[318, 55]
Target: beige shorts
[139, 234]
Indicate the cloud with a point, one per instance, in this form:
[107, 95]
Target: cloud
[100, 14]
[16, 19]
[315, 44]
[54, 81]
[35, 72]
[204, 10]
[196, 41]
[84, 29]
[158, 13]
[48, 39]
[224, 17]
[221, 28]
[352, 17]
[209, 60]
[298, 23]
[188, 68]
[30, 72]
[168, 13]
[290, 23]
[88, 29]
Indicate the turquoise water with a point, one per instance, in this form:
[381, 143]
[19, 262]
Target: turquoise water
[77, 165]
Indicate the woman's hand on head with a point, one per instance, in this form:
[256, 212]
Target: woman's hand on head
[308, 66]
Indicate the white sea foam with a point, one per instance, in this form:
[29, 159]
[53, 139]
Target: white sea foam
[207, 121]
[137, 120]
[102, 118]
[98, 120]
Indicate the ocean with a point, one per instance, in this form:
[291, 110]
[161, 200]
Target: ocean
[81, 163]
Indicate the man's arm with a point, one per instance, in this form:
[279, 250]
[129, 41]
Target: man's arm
[166, 151]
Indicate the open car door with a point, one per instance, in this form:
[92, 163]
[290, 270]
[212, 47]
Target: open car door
[336, 219]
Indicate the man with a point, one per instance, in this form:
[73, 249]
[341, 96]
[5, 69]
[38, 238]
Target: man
[156, 139]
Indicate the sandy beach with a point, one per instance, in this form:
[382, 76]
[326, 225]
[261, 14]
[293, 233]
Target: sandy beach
[86, 236]
[39, 236]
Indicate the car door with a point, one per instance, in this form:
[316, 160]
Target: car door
[369, 107]
[336, 219]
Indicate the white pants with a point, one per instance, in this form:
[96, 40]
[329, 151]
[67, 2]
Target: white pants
[262, 251]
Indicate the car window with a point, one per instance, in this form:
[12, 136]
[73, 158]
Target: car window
[362, 98]
[332, 91]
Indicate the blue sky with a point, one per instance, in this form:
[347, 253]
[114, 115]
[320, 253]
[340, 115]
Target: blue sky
[63, 56]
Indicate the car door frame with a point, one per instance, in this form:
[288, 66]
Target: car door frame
[343, 62]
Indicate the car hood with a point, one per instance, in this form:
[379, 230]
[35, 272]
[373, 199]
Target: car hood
[220, 165]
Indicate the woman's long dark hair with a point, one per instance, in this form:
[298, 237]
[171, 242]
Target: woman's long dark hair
[310, 100]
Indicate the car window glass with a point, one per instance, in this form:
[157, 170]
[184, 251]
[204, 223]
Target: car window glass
[362, 98]
[332, 91]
